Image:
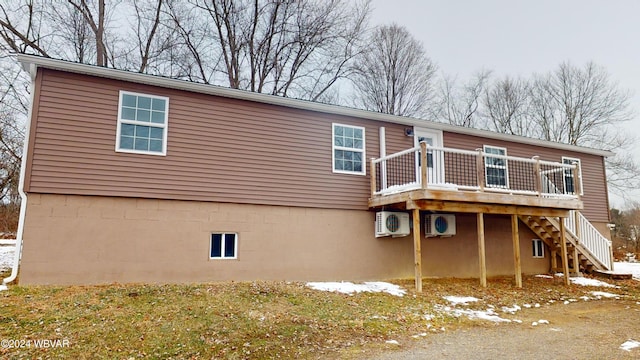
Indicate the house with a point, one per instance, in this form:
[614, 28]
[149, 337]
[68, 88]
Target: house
[138, 178]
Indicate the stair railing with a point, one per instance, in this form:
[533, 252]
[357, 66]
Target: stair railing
[589, 237]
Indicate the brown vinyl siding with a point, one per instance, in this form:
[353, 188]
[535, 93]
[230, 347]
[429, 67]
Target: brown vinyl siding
[218, 149]
[223, 149]
[595, 196]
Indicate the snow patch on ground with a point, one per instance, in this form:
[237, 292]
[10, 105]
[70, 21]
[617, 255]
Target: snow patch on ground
[591, 282]
[628, 268]
[6, 256]
[629, 345]
[488, 314]
[602, 294]
[350, 288]
[392, 342]
[585, 281]
[460, 300]
[545, 276]
[540, 322]
[511, 310]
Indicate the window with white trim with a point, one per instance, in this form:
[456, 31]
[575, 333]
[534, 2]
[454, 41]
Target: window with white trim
[142, 123]
[495, 168]
[538, 248]
[348, 149]
[569, 175]
[223, 246]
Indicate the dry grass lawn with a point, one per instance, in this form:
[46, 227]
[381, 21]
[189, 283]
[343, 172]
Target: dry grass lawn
[254, 320]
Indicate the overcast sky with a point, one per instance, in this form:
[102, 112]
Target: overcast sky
[524, 37]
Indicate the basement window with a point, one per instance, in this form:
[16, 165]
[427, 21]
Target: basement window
[223, 246]
[142, 124]
[538, 248]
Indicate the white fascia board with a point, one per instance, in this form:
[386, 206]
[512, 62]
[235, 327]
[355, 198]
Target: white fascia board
[154, 80]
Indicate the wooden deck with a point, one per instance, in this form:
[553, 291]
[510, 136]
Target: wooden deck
[475, 202]
[458, 181]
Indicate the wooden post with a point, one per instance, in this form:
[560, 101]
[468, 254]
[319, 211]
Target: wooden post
[576, 261]
[423, 167]
[480, 169]
[578, 233]
[565, 257]
[538, 176]
[611, 255]
[481, 251]
[373, 178]
[417, 254]
[577, 230]
[576, 181]
[554, 260]
[516, 250]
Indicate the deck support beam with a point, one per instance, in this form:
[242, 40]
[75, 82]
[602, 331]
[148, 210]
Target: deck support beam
[516, 250]
[563, 246]
[481, 251]
[576, 219]
[417, 254]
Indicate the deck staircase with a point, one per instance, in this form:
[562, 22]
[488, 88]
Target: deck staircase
[587, 249]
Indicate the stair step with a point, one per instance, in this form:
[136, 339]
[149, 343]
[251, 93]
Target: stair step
[612, 275]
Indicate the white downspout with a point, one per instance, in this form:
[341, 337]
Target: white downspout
[383, 153]
[23, 196]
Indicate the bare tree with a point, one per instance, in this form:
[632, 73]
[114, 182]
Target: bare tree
[626, 233]
[14, 100]
[20, 28]
[505, 106]
[74, 37]
[394, 75]
[575, 105]
[286, 48]
[95, 19]
[74, 30]
[583, 106]
[459, 105]
[149, 43]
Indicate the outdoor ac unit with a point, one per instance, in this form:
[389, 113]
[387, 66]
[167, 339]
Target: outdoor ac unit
[392, 224]
[440, 225]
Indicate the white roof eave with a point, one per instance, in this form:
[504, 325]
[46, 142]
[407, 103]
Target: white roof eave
[28, 61]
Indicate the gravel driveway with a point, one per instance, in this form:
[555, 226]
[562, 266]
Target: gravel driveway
[581, 330]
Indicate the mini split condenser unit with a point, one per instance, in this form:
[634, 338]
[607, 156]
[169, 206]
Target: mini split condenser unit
[439, 225]
[390, 223]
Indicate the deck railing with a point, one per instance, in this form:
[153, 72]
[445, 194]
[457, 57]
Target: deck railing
[455, 169]
[590, 238]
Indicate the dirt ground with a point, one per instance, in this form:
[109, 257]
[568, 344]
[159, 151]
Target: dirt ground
[580, 330]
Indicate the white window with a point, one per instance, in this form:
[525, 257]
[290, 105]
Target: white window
[348, 149]
[495, 168]
[538, 248]
[223, 246]
[569, 175]
[142, 123]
